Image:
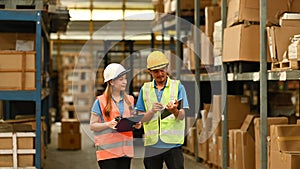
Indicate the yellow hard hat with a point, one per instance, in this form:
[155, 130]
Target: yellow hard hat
[157, 60]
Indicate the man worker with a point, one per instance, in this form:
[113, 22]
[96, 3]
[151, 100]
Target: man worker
[163, 135]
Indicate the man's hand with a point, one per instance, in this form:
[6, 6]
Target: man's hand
[172, 106]
[137, 125]
[157, 107]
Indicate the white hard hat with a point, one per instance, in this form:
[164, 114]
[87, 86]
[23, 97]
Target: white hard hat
[113, 71]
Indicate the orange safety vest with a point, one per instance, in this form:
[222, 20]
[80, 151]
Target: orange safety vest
[110, 143]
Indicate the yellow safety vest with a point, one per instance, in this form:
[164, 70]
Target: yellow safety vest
[170, 130]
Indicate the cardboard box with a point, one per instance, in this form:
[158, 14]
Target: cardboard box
[271, 121]
[213, 150]
[241, 43]
[24, 141]
[244, 153]
[290, 23]
[17, 60]
[248, 124]
[14, 81]
[1, 110]
[17, 72]
[70, 126]
[206, 55]
[285, 138]
[172, 60]
[202, 146]
[237, 106]
[189, 5]
[69, 141]
[203, 150]
[248, 10]
[191, 137]
[8, 41]
[279, 40]
[24, 160]
[219, 145]
[279, 160]
[184, 5]
[243, 144]
[212, 14]
[231, 150]
[190, 122]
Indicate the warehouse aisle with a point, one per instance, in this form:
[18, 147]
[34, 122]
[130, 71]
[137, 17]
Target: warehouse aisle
[85, 158]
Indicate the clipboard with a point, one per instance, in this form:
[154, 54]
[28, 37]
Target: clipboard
[125, 124]
[165, 113]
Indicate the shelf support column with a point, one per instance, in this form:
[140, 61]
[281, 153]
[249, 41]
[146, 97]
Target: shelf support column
[197, 65]
[178, 42]
[224, 94]
[38, 102]
[263, 85]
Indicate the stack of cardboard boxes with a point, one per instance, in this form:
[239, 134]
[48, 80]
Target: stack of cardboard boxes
[241, 36]
[17, 143]
[70, 137]
[77, 86]
[244, 142]
[206, 55]
[209, 129]
[284, 41]
[284, 146]
[18, 72]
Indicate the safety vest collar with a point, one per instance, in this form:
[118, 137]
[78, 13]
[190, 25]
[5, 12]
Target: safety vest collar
[167, 84]
[122, 97]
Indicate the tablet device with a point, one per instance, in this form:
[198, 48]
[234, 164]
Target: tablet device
[165, 113]
[125, 124]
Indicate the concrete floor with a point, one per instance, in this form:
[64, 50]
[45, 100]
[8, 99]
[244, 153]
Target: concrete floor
[85, 158]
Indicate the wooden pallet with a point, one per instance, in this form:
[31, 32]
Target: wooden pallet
[290, 64]
[210, 165]
[187, 151]
[20, 155]
[275, 66]
[286, 65]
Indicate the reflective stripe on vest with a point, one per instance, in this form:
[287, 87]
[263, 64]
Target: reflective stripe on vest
[110, 143]
[114, 145]
[152, 132]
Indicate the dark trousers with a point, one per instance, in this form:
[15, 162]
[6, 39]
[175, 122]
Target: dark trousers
[155, 157]
[115, 163]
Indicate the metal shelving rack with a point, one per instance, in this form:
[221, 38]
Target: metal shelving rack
[263, 76]
[30, 21]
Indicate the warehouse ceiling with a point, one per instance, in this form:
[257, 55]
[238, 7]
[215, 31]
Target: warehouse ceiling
[106, 4]
[107, 19]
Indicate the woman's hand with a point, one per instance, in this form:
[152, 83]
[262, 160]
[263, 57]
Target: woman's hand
[112, 124]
